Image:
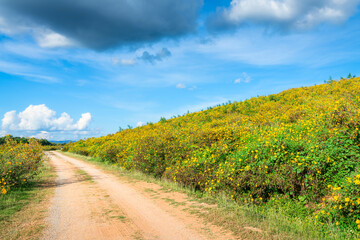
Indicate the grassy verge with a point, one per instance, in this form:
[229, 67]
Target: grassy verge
[23, 210]
[281, 219]
[83, 176]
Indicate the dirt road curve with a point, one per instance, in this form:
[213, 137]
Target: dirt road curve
[108, 207]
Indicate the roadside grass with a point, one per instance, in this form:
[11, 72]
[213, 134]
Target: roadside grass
[23, 210]
[280, 220]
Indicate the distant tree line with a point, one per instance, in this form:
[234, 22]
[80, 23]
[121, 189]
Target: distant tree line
[43, 142]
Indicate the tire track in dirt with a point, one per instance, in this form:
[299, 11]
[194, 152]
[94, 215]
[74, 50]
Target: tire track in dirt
[110, 208]
[81, 210]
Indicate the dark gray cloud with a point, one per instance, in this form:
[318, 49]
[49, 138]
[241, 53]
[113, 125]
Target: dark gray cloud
[284, 14]
[153, 58]
[102, 24]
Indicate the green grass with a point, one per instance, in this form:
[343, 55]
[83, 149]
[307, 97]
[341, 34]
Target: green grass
[16, 199]
[84, 176]
[21, 206]
[279, 220]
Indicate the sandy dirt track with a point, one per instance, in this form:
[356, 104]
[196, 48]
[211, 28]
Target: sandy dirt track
[109, 207]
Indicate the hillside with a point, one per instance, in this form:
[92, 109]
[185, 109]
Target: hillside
[300, 146]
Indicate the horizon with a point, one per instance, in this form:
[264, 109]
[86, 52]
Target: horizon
[74, 76]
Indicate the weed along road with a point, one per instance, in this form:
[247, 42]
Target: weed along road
[90, 203]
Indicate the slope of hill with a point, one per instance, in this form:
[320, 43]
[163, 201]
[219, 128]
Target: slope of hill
[301, 145]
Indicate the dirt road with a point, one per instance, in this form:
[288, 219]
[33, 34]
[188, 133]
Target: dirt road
[92, 204]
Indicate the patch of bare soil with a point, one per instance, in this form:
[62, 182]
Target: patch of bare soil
[108, 207]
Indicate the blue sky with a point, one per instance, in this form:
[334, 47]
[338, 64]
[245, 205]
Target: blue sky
[80, 68]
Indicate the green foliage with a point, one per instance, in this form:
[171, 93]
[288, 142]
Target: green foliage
[163, 120]
[42, 142]
[298, 146]
[19, 162]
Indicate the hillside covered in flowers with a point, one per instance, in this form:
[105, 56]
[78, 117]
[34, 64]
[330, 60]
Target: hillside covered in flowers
[301, 145]
[20, 160]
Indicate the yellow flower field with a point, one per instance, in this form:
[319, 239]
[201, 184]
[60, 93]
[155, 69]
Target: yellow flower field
[301, 145]
[19, 162]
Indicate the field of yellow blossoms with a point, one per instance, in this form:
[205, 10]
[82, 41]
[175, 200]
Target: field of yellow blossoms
[301, 145]
[19, 163]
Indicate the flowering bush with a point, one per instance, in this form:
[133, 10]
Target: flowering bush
[19, 162]
[294, 144]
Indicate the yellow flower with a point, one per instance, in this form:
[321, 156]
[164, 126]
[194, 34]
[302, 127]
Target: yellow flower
[357, 221]
[347, 199]
[3, 191]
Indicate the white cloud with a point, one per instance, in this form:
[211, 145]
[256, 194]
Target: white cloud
[183, 86]
[293, 14]
[47, 39]
[180, 85]
[12, 28]
[44, 37]
[139, 124]
[42, 135]
[126, 62]
[10, 120]
[24, 71]
[83, 122]
[260, 49]
[245, 78]
[41, 118]
[38, 78]
[2, 133]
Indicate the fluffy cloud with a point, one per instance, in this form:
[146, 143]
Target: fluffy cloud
[159, 56]
[288, 14]
[51, 40]
[105, 24]
[41, 118]
[245, 78]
